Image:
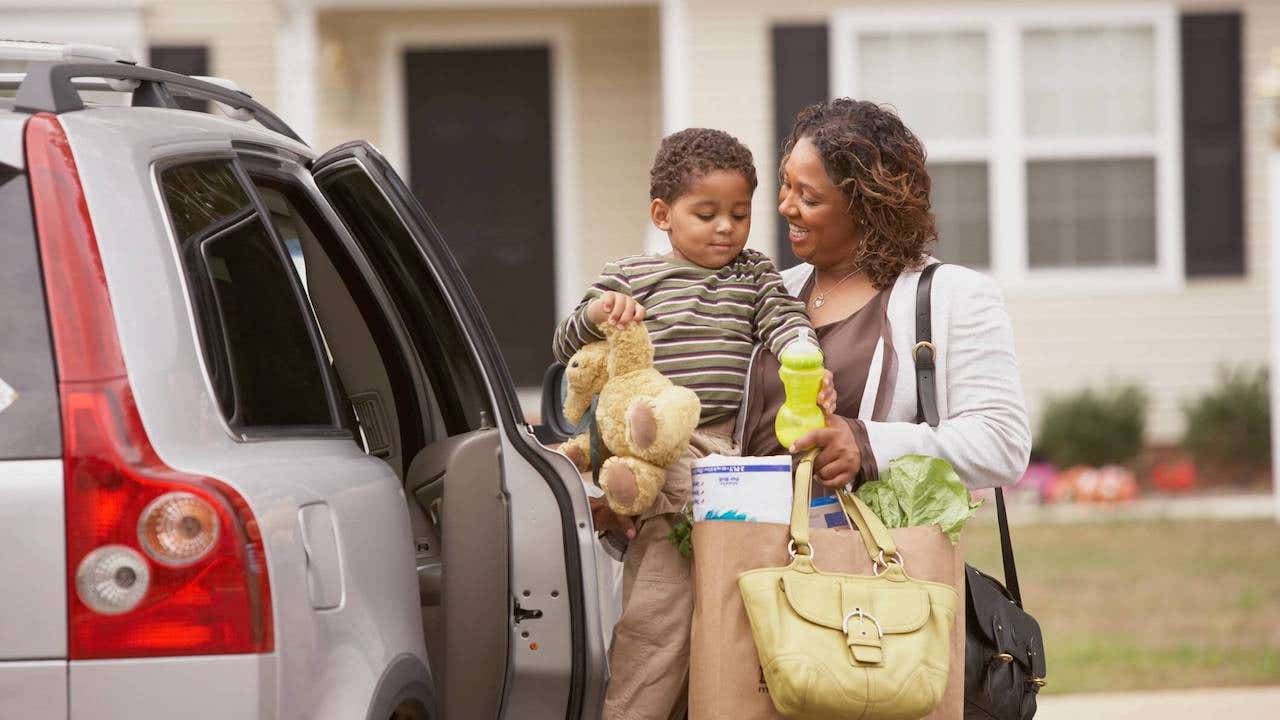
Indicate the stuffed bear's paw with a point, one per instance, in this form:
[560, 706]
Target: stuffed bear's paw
[574, 453]
[620, 484]
[642, 423]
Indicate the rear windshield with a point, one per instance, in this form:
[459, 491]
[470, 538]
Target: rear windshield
[29, 426]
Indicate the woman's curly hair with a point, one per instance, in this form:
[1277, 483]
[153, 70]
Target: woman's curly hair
[879, 165]
[685, 156]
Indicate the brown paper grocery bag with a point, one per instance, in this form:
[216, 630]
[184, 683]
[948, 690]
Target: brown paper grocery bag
[725, 679]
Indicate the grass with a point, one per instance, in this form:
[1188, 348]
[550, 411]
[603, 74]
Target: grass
[1148, 605]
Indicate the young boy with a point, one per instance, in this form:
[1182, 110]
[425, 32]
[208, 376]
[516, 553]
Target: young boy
[706, 305]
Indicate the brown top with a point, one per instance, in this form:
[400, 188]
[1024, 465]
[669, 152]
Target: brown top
[847, 346]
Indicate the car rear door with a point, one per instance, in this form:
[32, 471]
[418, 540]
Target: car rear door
[521, 618]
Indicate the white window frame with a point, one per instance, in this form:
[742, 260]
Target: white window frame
[1007, 150]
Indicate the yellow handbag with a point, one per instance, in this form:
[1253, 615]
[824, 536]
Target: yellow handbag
[875, 647]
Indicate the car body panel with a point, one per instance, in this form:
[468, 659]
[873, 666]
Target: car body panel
[11, 141]
[33, 689]
[33, 613]
[327, 662]
[214, 687]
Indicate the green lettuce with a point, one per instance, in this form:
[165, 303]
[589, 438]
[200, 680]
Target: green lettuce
[920, 490]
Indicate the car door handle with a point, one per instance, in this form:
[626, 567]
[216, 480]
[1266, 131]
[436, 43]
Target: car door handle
[324, 564]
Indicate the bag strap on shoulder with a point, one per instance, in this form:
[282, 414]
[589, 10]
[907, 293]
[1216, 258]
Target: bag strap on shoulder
[924, 354]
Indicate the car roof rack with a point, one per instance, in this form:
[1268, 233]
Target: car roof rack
[50, 85]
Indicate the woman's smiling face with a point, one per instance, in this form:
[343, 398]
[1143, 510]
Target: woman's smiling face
[820, 229]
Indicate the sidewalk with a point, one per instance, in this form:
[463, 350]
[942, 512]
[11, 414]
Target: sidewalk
[1213, 703]
[1244, 506]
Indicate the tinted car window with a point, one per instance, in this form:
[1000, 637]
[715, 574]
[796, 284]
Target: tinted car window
[29, 426]
[296, 220]
[261, 355]
[395, 255]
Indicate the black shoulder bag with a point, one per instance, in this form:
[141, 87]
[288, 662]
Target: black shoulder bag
[1004, 665]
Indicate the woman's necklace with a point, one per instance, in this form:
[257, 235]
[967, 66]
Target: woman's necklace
[821, 297]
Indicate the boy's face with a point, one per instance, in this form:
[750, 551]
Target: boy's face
[708, 225]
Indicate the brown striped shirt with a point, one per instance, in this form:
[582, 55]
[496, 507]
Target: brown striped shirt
[704, 323]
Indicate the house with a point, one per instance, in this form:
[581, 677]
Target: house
[1105, 161]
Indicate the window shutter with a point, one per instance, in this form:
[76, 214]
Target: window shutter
[800, 78]
[1213, 165]
[185, 59]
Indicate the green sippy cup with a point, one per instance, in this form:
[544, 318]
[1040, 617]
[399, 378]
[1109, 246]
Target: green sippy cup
[801, 374]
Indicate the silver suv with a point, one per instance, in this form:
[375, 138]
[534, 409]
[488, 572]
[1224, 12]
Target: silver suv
[259, 454]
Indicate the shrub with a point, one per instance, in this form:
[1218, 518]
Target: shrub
[1229, 428]
[1093, 427]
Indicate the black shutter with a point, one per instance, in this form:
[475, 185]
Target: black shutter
[185, 59]
[800, 78]
[1212, 150]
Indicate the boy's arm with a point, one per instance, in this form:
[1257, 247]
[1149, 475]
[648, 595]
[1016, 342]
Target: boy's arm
[576, 330]
[778, 315]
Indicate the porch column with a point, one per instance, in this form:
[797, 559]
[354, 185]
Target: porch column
[673, 41]
[1273, 284]
[297, 60]
[1268, 88]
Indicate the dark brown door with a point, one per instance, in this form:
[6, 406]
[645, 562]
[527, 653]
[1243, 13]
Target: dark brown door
[480, 162]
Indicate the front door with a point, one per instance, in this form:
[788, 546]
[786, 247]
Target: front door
[480, 163]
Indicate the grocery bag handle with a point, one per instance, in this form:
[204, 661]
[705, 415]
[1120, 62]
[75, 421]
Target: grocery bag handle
[880, 546]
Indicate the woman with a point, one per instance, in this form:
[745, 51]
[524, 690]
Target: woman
[855, 192]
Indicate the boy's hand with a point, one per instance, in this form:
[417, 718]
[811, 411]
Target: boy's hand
[614, 308]
[827, 393]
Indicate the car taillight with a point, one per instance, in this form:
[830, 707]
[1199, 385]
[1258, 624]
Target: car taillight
[159, 562]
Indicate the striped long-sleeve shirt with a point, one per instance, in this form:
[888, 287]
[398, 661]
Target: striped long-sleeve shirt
[704, 323]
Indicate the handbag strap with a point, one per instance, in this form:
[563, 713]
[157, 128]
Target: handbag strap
[800, 504]
[927, 410]
[880, 545]
[874, 534]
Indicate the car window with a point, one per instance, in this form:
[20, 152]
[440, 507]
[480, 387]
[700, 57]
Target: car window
[440, 342]
[297, 220]
[29, 426]
[261, 355]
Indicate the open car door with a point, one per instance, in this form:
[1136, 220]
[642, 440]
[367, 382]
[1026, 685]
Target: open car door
[505, 546]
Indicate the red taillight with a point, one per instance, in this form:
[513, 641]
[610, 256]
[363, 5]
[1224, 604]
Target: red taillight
[132, 591]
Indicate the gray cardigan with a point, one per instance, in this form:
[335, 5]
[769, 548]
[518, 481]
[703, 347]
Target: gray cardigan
[984, 432]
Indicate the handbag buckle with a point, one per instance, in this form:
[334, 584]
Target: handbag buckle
[858, 613]
[881, 563]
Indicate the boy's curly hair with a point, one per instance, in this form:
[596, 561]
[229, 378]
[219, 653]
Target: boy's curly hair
[879, 165]
[685, 156]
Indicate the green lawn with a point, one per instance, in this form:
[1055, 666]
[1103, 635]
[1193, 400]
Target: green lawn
[1148, 605]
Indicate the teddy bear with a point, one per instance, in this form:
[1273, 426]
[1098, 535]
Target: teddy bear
[645, 420]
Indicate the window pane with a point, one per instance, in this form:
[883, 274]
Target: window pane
[1091, 212]
[29, 426]
[960, 204]
[1089, 82]
[252, 329]
[936, 80]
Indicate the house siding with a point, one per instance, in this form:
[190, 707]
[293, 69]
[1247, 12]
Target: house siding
[616, 101]
[1171, 340]
[240, 35]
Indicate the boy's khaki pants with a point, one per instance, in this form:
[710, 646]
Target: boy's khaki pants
[649, 657]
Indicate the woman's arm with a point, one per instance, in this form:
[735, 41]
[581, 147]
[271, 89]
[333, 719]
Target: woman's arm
[986, 436]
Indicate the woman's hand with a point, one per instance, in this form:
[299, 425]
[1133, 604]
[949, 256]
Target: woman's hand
[614, 308]
[840, 459]
[605, 518]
